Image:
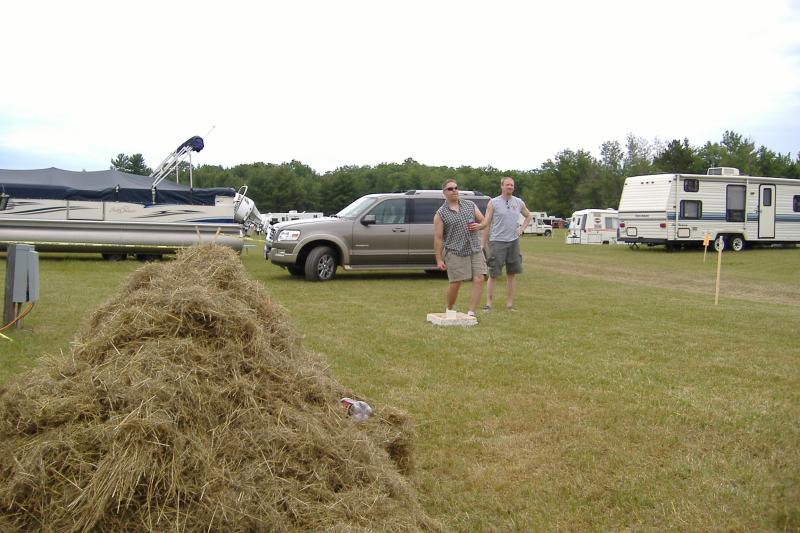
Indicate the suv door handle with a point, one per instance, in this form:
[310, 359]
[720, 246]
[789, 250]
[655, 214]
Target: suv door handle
[400, 230]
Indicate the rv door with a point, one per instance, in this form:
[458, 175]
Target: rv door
[766, 212]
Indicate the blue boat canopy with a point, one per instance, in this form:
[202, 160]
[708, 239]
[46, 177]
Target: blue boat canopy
[102, 185]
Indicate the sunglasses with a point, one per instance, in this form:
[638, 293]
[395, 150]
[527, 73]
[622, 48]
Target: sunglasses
[451, 188]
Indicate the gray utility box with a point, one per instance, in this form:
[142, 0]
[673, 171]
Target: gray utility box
[23, 270]
[22, 279]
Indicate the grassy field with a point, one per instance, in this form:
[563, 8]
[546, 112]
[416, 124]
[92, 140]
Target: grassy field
[619, 397]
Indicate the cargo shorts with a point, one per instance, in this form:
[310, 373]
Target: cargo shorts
[504, 253]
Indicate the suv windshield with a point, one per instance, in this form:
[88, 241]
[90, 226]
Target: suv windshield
[356, 208]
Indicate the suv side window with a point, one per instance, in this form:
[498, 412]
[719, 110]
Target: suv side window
[390, 212]
[481, 203]
[423, 209]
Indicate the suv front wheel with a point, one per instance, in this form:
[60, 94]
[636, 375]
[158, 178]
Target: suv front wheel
[321, 264]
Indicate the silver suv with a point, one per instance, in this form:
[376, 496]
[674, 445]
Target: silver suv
[392, 231]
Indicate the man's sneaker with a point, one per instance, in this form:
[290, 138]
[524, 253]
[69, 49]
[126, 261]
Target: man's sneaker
[487, 308]
[511, 308]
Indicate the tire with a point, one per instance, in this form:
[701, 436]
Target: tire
[547, 233]
[737, 243]
[115, 257]
[295, 270]
[321, 264]
[720, 242]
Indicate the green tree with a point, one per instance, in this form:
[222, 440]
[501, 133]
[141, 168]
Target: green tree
[676, 157]
[638, 158]
[740, 152]
[133, 164]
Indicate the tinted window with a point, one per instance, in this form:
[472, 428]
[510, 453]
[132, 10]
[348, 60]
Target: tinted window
[734, 211]
[691, 185]
[390, 212]
[423, 209]
[796, 204]
[691, 209]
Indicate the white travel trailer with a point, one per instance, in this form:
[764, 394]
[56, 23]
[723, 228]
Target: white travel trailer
[734, 210]
[593, 226]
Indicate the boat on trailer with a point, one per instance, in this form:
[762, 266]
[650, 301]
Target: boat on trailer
[118, 214]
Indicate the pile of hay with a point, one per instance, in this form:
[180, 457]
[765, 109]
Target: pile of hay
[188, 403]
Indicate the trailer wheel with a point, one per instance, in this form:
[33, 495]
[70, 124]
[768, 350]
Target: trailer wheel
[320, 264]
[547, 233]
[719, 243]
[737, 243]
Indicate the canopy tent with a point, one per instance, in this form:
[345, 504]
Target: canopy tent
[102, 185]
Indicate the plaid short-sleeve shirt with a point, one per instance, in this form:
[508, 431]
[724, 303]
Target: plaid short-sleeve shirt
[457, 239]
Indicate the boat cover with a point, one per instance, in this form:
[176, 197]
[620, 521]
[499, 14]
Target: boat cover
[102, 185]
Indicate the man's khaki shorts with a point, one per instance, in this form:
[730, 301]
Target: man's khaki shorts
[464, 267]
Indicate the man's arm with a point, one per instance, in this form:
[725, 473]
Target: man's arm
[438, 231]
[528, 217]
[487, 224]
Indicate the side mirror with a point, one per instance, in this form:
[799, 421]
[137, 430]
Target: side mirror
[368, 220]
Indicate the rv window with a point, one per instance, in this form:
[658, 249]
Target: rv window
[691, 185]
[796, 204]
[691, 209]
[610, 223]
[735, 206]
[767, 200]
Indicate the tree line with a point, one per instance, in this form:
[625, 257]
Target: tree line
[573, 179]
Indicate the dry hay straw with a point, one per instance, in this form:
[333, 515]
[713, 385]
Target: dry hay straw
[188, 403]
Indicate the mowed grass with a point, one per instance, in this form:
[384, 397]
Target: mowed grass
[618, 397]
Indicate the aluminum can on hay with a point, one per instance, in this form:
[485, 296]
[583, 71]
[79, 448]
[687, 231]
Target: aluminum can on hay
[357, 409]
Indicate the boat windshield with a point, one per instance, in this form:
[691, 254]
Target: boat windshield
[356, 208]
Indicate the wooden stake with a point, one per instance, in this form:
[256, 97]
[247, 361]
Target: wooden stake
[719, 267]
[705, 246]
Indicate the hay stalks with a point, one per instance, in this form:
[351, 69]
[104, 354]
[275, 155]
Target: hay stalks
[188, 403]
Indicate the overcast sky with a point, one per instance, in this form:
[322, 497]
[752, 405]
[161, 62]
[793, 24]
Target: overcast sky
[500, 83]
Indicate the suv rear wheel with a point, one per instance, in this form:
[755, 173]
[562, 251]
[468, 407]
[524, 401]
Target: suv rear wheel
[321, 264]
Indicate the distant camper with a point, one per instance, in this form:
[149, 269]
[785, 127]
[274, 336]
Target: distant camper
[676, 210]
[273, 218]
[593, 226]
